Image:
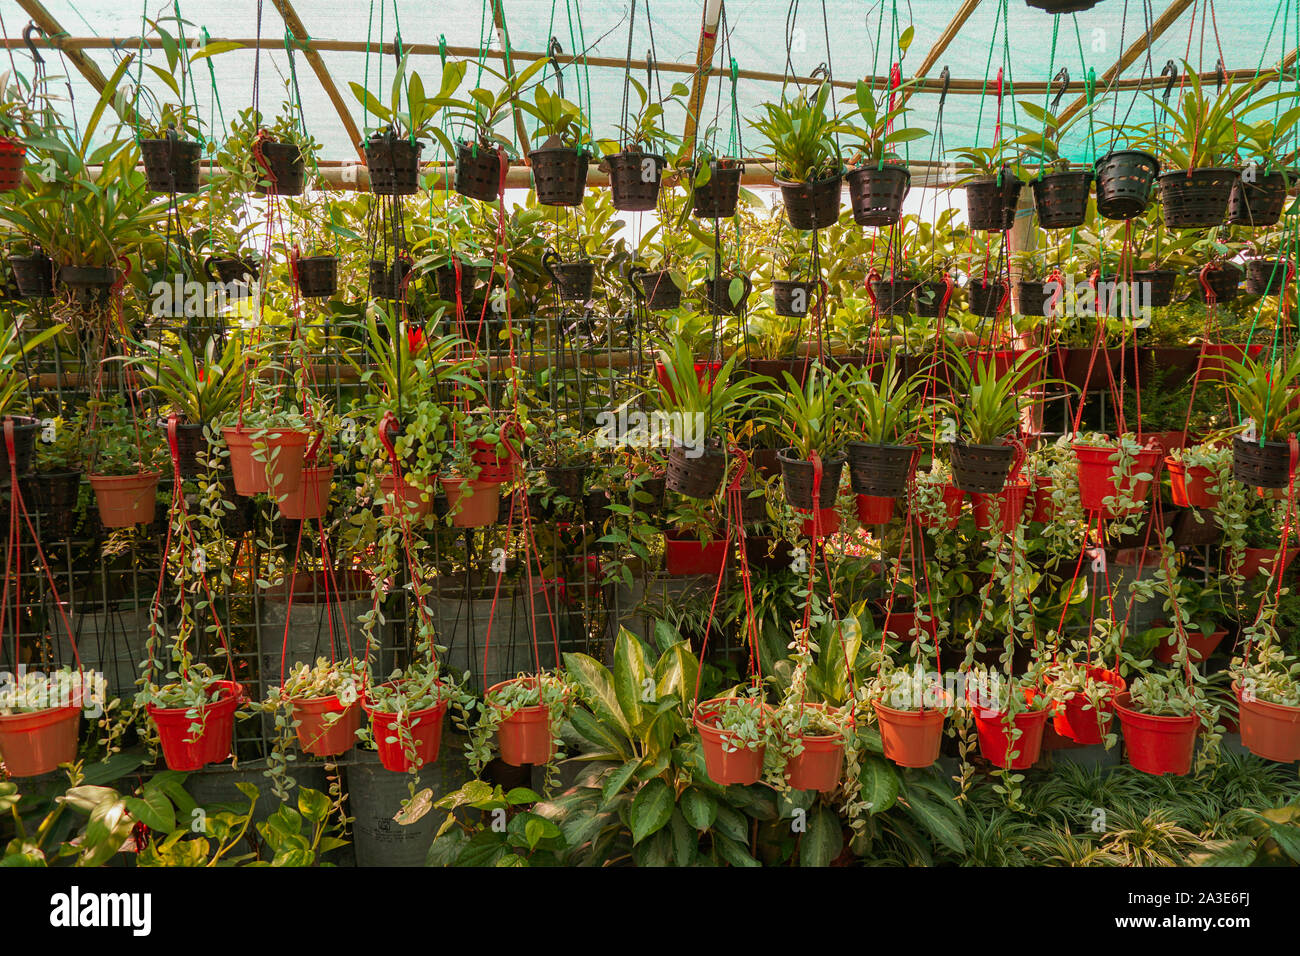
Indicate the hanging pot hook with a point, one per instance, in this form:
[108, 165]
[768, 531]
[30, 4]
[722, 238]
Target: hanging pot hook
[1064, 75]
[554, 50]
[946, 78]
[1171, 71]
[31, 45]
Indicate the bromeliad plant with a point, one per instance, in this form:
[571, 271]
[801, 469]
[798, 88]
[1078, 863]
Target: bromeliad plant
[801, 133]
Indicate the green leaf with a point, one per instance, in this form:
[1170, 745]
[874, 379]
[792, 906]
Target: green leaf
[880, 784]
[154, 810]
[1288, 838]
[315, 806]
[824, 840]
[651, 809]
[630, 675]
[699, 808]
[616, 780]
[937, 821]
[596, 681]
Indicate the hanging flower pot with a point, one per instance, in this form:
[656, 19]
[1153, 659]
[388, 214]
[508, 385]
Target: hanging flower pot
[171, 165]
[793, 298]
[311, 499]
[567, 480]
[422, 728]
[1124, 181]
[880, 470]
[393, 163]
[450, 288]
[1269, 730]
[53, 496]
[1191, 485]
[388, 280]
[559, 175]
[891, 296]
[697, 476]
[1256, 561]
[90, 284]
[35, 743]
[768, 553]
[1158, 286]
[497, 463]
[634, 179]
[12, 155]
[321, 737]
[1257, 201]
[1261, 464]
[656, 289]
[876, 193]
[34, 275]
[902, 625]
[932, 299]
[24, 431]
[412, 497]
[726, 761]
[1041, 505]
[265, 460]
[1224, 281]
[720, 298]
[480, 171]
[1057, 7]
[187, 747]
[952, 499]
[318, 276]
[280, 168]
[991, 202]
[524, 738]
[1156, 744]
[190, 443]
[1199, 646]
[982, 469]
[1078, 720]
[1038, 298]
[995, 741]
[825, 522]
[573, 280]
[685, 556]
[820, 764]
[910, 738]
[1196, 198]
[812, 205]
[986, 298]
[873, 509]
[473, 504]
[125, 500]
[1008, 504]
[1098, 479]
[797, 480]
[1061, 199]
[1267, 276]
[717, 197]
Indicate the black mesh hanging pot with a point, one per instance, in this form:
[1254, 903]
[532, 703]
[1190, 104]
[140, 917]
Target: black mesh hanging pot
[634, 180]
[559, 175]
[1124, 181]
[393, 163]
[1061, 199]
[655, 288]
[1196, 198]
[793, 298]
[318, 276]
[171, 165]
[717, 198]
[1257, 198]
[478, 171]
[813, 205]
[991, 202]
[876, 194]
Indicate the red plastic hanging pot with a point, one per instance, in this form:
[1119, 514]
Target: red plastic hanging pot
[1076, 718]
[1197, 643]
[1210, 367]
[900, 624]
[1166, 441]
[830, 523]
[408, 495]
[1041, 499]
[473, 504]
[952, 498]
[186, 748]
[1271, 731]
[873, 509]
[819, 765]
[1097, 479]
[705, 373]
[424, 728]
[1256, 560]
[911, 738]
[1190, 486]
[125, 500]
[12, 154]
[282, 451]
[1157, 745]
[740, 766]
[497, 464]
[525, 736]
[36, 743]
[311, 499]
[995, 738]
[1009, 503]
[319, 737]
[684, 556]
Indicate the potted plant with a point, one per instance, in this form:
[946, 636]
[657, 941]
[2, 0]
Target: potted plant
[993, 187]
[15, 349]
[16, 119]
[1060, 193]
[124, 466]
[694, 543]
[393, 152]
[811, 419]
[806, 154]
[54, 492]
[1011, 713]
[1159, 715]
[982, 457]
[878, 178]
[1125, 177]
[1268, 694]
[194, 715]
[1083, 698]
[714, 185]
[560, 164]
[170, 135]
[1259, 196]
[734, 734]
[40, 714]
[1268, 395]
[881, 462]
[911, 707]
[525, 714]
[1115, 475]
[318, 704]
[406, 714]
[636, 165]
[1201, 605]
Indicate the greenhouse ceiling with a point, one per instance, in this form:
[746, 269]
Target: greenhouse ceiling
[310, 52]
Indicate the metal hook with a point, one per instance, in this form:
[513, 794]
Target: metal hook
[1219, 74]
[1064, 75]
[31, 46]
[1171, 71]
[946, 77]
[649, 69]
[554, 50]
[397, 47]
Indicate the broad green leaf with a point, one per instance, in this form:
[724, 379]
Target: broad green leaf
[824, 839]
[651, 809]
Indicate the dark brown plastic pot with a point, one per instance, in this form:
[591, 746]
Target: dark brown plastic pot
[387, 280]
[1197, 198]
[1267, 276]
[1037, 298]
[876, 194]
[990, 204]
[981, 469]
[880, 470]
[986, 297]
[89, 283]
[814, 205]
[698, 477]
[318, 276]
[1161, 285]
[478, 171]
[34, 275]
[445, 277]
[717, 294]
[53, 496]
[717, 198]
[634, 180]
[189, 442]
[559, 175]
[797, 480]
[393, 164]
[1224, 282]
[573, 280]
[656, 289]
[282, 170]
[929, 300]
[793, 298]
[1061, 199]
[25, 429]
[1266, 465]
[1124, 181]
[171, 165]
[892, 296]
[1258, 202]
[228, 269]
